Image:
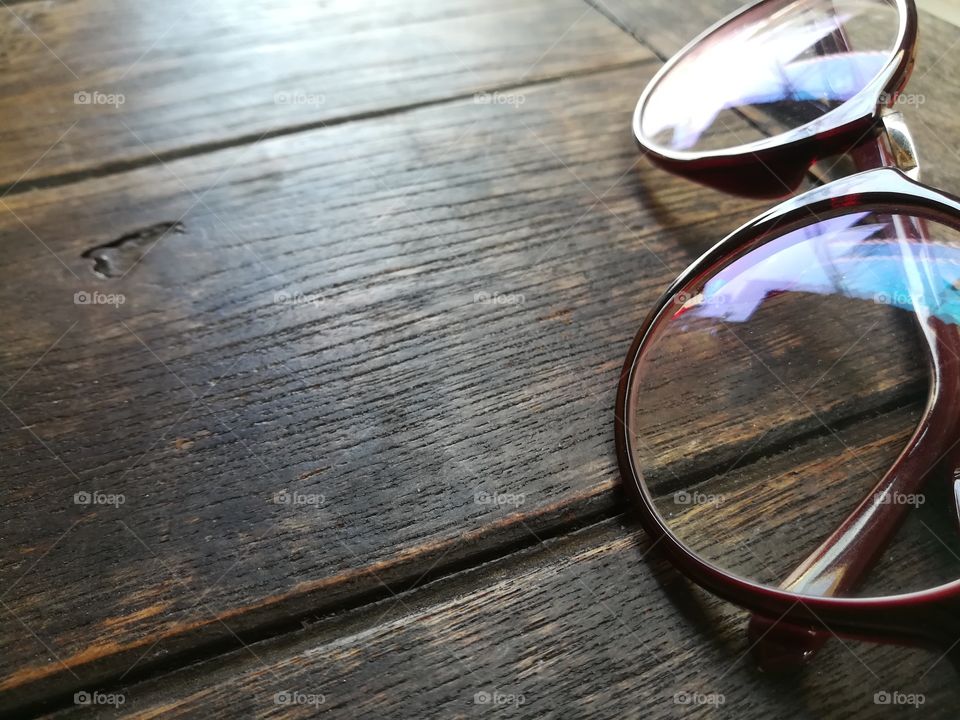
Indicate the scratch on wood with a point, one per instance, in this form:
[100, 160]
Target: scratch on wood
[117, 257]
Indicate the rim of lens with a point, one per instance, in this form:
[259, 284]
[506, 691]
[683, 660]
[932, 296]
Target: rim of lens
[864, 105]
[923, 202]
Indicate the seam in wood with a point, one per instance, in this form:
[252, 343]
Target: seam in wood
[118, 167]
[213, 648]
[563, 524]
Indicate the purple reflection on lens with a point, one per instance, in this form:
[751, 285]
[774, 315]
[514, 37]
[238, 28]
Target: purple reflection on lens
[791, 67]
[859, 256]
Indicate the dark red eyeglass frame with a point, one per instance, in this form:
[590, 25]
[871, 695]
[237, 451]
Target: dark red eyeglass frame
[776, 166]
[876, 140]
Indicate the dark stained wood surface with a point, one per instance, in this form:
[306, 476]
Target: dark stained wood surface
[390, 304]
[593, 625]
[182, 77]
[392, 392]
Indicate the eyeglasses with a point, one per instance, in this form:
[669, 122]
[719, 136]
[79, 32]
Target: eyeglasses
[760, 400]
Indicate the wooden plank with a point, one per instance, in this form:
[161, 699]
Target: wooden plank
[773, 377]
[665, 27]
[942, 9]
[404, 316]
[591, 625]
[762, 520]
[184, 77]
[931, 101]
[389, 386]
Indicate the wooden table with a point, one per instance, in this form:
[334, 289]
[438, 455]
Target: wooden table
[287, 287]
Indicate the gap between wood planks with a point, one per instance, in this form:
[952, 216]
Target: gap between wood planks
[364, 611]
[359, 610]
[116, 167]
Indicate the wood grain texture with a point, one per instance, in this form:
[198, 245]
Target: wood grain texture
[594, 625]
[705, 385]
[390, 320]
[763, 519]
[942, 9]
[181, 77]
[378, 359]
[317, 324]
[665, 27]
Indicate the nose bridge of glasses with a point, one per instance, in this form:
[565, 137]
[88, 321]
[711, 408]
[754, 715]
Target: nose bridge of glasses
[903, 150]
